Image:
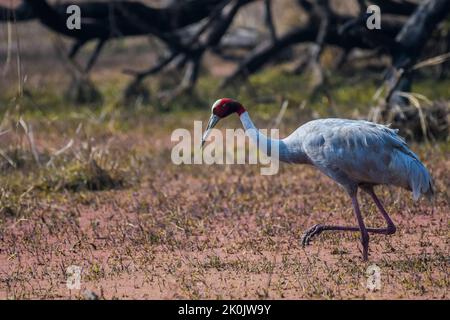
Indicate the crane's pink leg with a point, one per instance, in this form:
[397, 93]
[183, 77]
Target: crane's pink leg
[318, 228]
[362, 228]
[390, 229]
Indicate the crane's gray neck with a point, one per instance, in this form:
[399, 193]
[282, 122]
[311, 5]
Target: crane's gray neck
[271, 147]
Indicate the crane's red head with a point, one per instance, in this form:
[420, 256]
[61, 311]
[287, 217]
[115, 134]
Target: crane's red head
[222, 108]
[225, 106]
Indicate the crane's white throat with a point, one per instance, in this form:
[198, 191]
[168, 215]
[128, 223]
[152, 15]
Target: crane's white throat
[272, 147]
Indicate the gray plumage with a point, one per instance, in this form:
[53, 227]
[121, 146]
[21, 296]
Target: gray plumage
[356, 152]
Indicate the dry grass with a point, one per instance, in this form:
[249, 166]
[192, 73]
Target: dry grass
[199, 231]
[95, 187]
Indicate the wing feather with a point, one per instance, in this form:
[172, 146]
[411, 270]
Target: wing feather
[364, 152]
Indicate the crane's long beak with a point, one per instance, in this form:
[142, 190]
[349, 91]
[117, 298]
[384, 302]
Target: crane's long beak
[211, 123]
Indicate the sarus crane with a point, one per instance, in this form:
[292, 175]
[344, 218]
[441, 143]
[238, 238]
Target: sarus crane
[354, 153]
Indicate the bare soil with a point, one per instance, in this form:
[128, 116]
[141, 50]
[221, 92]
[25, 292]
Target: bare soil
[225, 232]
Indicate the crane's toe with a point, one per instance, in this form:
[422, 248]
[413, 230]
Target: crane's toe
[310, 233]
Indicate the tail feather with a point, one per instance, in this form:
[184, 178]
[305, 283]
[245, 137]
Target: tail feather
[417, 178]
[420, 180]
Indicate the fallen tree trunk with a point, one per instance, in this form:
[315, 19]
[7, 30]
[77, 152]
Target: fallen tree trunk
[103, 20]
[191, 53]
[409, 44]
[418, 120]
[269, 49]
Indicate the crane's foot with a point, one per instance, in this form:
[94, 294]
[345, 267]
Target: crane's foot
[310, 233]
